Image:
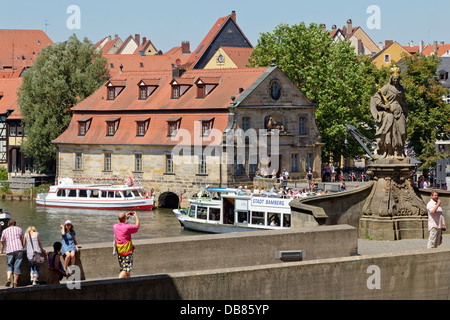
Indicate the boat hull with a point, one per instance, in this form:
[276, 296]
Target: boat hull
[140, 204]
[214, 227]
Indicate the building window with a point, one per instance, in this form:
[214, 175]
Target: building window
[275, 89]
[387, 58]
[169, 163]
[173, 126]
[112, 125]
[138, 162]
[142, 127]
[78, 161]
[114, 88]
[245, 123]
[294, 163]
[147, 87]
[309, 162]
[107, 162]
[175, 92]
[83, 126]
[206, 85]
[202, 166]
[302, 126]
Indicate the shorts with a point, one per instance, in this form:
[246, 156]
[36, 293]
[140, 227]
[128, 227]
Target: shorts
[14, 261]
[126, 262]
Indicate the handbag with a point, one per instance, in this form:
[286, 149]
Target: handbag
[38, 257]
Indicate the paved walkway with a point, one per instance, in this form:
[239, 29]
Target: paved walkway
[376, 246]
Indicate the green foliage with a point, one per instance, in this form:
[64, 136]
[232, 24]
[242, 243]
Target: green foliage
[3, 173]
[329, 73]
[429, 115]
[63, 75]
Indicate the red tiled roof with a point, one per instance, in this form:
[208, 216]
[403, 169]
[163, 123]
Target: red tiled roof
[8, 90]
[239, 55]
[159, 107]
[442, 48]
[20, 48]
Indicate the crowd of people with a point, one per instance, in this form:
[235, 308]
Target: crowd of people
[18, 245]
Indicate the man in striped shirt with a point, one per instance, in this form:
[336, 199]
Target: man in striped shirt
[13, 237]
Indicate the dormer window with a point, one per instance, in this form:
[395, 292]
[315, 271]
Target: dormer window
[147, 87]
[142, 127]
[83, 125]
[173, 126]
[205, 86]
[180, 86]
[207, 125]
[112, 125]
[114, 88]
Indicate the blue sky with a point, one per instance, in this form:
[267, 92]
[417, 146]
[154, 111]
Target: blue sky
[168, 23]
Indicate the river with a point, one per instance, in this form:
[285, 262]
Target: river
[91, 226]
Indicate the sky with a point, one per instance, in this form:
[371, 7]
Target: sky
[168, 23]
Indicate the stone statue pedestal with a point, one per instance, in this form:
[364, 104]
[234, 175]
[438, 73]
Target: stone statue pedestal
[393, 210]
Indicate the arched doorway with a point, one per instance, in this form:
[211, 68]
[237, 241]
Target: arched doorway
[168, 200]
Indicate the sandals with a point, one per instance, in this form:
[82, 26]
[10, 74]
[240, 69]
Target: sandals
[8, 283]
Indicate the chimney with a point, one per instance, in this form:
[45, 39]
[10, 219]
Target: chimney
[442, 43]
[233, 15]
[387, 43]
[435, 46]
[116, 36]
[333, 27]
[349, 26]
[420, 46]
[411, 44]
[324, 27]
[185, 47]
[137, 37]
[144, 40]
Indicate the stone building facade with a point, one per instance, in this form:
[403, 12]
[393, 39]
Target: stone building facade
[208, 127]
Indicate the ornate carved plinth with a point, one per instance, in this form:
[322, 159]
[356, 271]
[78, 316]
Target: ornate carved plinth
[393, 210]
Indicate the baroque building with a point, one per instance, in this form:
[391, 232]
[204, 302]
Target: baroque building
[177, 131]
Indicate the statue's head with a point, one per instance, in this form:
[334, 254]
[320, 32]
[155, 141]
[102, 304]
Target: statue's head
[395, 75]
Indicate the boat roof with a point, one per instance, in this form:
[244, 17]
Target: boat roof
[98, 186]
[211, 189]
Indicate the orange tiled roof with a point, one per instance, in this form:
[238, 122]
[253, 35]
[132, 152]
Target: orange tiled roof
[8, 94]
[20, 48]
[442, 48]
[159, 107]
[239, 55]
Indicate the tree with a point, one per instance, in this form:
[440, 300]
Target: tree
[339, 82]
[429, 114]
[63, 75]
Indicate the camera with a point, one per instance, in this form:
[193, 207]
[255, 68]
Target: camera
[131, 213]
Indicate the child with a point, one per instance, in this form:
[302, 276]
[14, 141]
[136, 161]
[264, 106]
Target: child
[55, 268]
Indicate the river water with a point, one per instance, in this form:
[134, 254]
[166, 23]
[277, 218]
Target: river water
[91, 226]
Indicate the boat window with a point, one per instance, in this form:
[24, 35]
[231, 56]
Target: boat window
[214, 214]
[258, 218]
[192, 211]
[286, 220]
[103, 194]
[274, 219]
[127, 194]
[82, 193]
[201, 212]
[110, 194]
[95, 193]
[118, 194]
[72, 193]
[136, 193]
[61, 193]
[242, 217]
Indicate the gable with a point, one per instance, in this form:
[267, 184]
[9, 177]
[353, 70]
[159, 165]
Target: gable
[263, 92]
[229, 36]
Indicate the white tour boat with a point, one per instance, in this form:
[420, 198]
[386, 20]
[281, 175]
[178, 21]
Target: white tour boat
[66, 194]
[223, 210]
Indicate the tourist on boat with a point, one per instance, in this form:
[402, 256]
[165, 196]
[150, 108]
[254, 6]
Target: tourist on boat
[123, 242]
[33, 244]
[69, 244]
[255, 190]
[55, 269]
[258, 174]
[13, 237]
